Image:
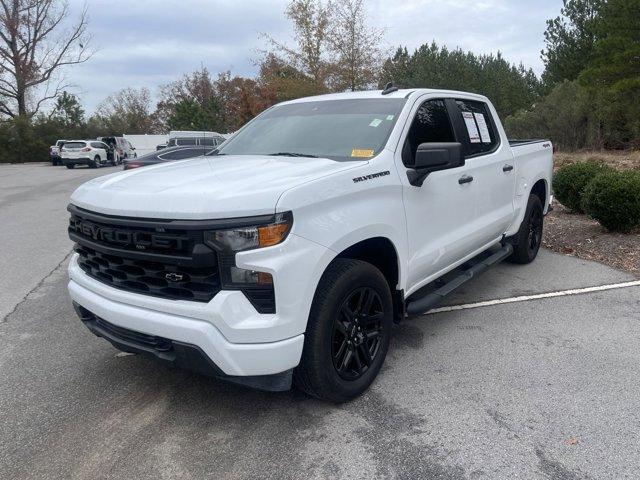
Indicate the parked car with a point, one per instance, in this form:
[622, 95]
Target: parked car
[85, 152]
[212, 141]
[54, 152]
[122, 148]
[168, 154]
[287, 254]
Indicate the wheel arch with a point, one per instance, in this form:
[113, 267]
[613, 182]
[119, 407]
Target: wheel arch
[541, 189]
[382, 253]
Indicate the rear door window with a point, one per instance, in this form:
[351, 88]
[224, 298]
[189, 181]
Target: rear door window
[480, 135]
[97, 145]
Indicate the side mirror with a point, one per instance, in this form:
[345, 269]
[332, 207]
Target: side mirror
[433, 157]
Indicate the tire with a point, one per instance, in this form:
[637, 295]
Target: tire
[96, 162]
[70, 166]
[527, 241]
[338, 325]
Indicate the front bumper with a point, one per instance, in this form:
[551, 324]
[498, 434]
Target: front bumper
[232, 359]
[228, 329]
[183, 355]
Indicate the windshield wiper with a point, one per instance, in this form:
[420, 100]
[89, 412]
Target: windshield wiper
[291, 154]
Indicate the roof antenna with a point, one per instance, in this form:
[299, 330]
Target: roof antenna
[389, 88]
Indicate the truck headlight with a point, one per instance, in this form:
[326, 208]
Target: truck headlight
[257, 286]
[255, 236]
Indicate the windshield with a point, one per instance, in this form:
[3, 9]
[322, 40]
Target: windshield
[336, 129]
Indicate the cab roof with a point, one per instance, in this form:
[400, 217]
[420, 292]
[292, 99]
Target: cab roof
[401, 93]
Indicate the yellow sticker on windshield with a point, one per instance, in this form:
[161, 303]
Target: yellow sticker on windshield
[357, 152]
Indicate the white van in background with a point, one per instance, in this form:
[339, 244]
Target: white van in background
[145, 144]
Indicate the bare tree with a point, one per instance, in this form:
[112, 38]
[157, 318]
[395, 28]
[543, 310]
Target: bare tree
[355, 46]
[35, 45]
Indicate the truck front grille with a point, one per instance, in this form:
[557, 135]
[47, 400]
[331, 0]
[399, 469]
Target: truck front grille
[166, 259]
[150, 278]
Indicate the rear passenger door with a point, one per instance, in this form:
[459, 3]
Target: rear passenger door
[491, 165]
[441, 214]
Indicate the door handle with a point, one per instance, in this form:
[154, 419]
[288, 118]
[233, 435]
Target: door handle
[465, 179]
[507, 168]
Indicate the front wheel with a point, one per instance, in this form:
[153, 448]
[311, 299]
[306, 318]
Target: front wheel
[348, 332]
[527, 241]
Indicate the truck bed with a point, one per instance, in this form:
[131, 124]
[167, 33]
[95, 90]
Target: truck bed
[517, 143]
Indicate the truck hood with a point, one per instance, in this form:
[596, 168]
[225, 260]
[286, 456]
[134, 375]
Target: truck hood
[203, 188]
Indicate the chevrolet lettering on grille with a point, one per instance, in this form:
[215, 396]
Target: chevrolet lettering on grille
[138, 239]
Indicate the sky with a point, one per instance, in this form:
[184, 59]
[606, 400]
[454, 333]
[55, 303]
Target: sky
[148, 43]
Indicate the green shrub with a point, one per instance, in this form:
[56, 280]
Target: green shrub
[570, 181]
[613, 199]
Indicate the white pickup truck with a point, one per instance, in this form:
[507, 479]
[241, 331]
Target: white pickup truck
[286, 254]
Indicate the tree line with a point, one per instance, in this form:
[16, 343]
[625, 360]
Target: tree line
[587, 97]
[591, 82]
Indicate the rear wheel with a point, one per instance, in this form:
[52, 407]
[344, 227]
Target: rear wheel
[527, 241]
[96, 162]
[70, 166]
[348, 332]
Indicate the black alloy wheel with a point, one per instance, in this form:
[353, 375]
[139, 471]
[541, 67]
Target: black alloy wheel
[356, 336]
[526, 243]
[348, 332]
[535, 232]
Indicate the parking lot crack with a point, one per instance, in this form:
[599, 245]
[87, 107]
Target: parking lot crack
[35, 288]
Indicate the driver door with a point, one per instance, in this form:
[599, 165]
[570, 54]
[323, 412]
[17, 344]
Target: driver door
[441, 213]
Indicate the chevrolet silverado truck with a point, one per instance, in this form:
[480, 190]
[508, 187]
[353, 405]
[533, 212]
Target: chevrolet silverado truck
[285, 255]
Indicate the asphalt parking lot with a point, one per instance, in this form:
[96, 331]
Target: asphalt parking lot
[546, 388]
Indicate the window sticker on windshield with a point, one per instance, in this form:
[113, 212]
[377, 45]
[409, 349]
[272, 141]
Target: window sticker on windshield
[482, 125]
[472, 129]
[375, 122]
[389, 117]
[362, 153]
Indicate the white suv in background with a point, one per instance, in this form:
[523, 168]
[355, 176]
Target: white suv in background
[84, 152]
